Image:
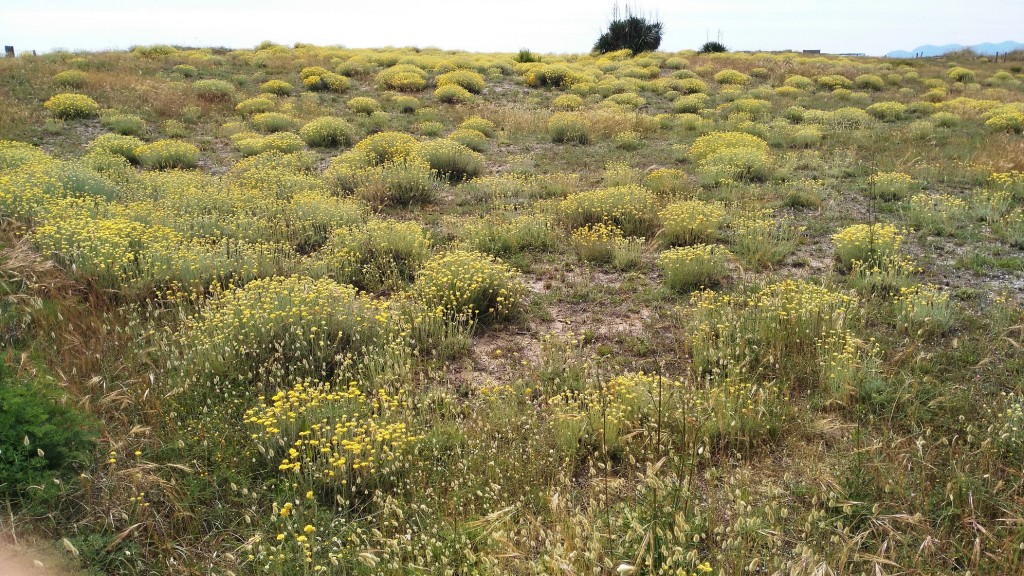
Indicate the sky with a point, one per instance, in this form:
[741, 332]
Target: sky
[873, 27]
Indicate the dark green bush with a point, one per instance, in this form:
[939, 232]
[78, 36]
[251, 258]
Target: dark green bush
[712, 47]
[632, 32]
[41, 440]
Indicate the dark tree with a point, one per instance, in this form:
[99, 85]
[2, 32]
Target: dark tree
[632, 31]
[712, 46]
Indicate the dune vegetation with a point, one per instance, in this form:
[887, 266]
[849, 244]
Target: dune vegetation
[315, 310]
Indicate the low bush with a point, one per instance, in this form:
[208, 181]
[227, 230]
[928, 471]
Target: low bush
[165, 154]
[71, 106]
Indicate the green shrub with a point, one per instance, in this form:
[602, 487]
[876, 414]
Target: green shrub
[869, 82]
[363, 105]
[75, 79]
[185, 70]
[268, 122]
[406, 104]
[472, 139]
[430, 128]
[692, 267]
[214, 90]
[567, 102]
[732, 77]
[888, 111]
[378, 255]
[70, 106]
[451, 160]
[284, 142]
[327, 131]
[470, 283]
[453, 94]
[124, 146]
[164, 154]
[44, 443]
[467, 79]
[279, 87]
[872, 244]
[571, 127]
[124, 124]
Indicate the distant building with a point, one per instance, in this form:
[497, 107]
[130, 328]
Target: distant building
[812, 51]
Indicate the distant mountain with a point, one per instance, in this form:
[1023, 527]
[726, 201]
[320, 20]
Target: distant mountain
[987, 48]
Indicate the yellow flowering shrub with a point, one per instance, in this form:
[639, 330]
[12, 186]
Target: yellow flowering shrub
[937, 213]
[596, 242]
[403, 78]
[472, 139]
[732, 77]
[470, 283]
[691, 267]
[1008, 121]
[453, 94]
[214, 90]
[630, 208]
[799, 333]
[482, 125]
[690, 222]
[256, 105]
[278, 87]
[74, 79]
[327, 131]
[256, 334]
[70, 106]
[284, 142]
[372, 256]
[467, 79]
[124, 146]
[709, 144]
[570, 127]
[761, 239]
[924, 309]
[567, 102]
[891, 185]
[327, 82]
[503, 236]
[866, 243]
[337, 438]
[888, 111]
[452, 160]
[363, 105]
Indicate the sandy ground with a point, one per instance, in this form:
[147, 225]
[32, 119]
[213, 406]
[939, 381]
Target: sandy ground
[21, 560]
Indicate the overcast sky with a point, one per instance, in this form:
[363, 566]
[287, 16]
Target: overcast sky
[873, 27]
